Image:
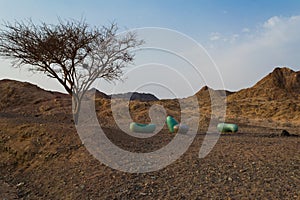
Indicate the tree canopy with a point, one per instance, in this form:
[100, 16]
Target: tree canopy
[71, 51]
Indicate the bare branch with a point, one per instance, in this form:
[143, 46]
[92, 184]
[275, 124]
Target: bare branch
[70, 51]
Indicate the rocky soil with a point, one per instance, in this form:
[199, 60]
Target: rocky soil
[42, 160]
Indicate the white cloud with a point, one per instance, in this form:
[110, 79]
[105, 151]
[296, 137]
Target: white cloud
[272, 22]
[215, 36]
[234, 37]
[218, 38]
[276, 43]
[245, 30]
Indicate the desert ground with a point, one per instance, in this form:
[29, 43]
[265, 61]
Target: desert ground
[42, 156]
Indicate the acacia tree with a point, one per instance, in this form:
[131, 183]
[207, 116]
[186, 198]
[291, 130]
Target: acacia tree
[71, 52]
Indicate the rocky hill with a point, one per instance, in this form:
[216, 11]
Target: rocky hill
[136, 96]
[275, 98]
[282, 83]
[128, 96]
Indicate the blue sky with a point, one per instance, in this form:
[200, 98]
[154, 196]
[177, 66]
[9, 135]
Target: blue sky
[246, 39]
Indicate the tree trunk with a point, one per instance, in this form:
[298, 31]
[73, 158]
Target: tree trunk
[75, 108]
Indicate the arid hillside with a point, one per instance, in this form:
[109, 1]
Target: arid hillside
[275, 98]
[272, 102]
[42, 156]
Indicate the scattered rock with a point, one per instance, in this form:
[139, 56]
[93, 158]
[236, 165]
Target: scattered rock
[285, 133]
[20, 184]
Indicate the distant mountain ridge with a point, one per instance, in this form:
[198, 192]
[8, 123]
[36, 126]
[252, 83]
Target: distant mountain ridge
[274, 97]
[281, 83]
[285, 78]
[136, 96]
[132, 96]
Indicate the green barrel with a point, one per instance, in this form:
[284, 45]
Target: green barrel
[142, 128]
[171, 122]
[224, 127]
